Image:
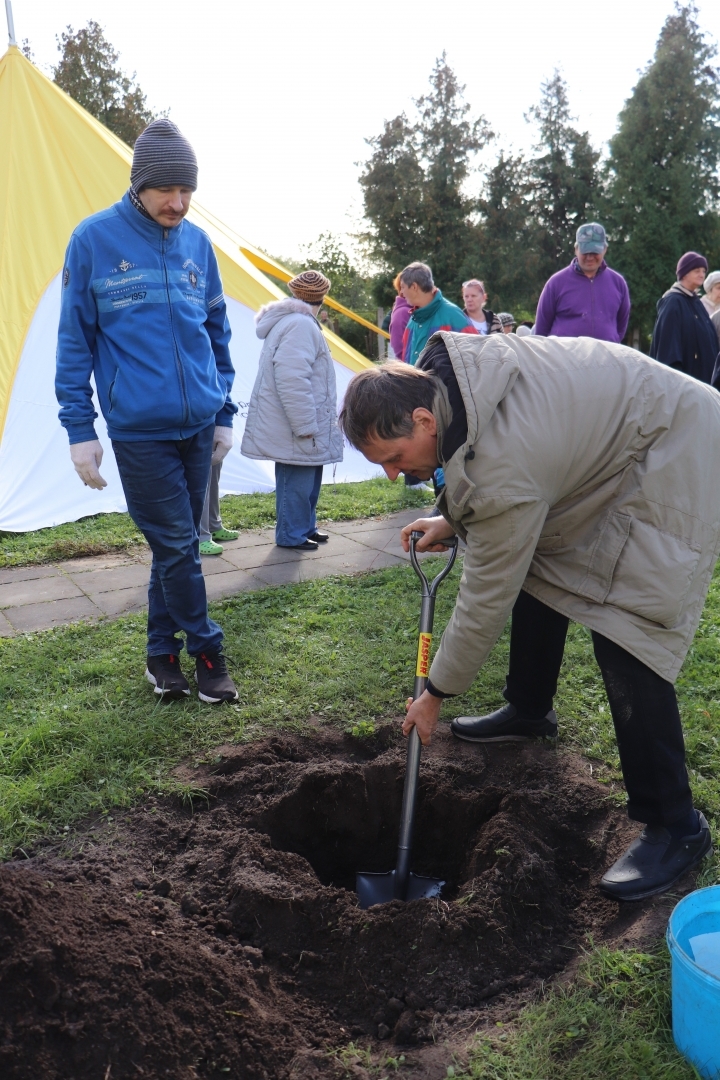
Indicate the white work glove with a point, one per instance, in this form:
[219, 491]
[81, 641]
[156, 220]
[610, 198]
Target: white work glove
[222, 441]
[86, 457]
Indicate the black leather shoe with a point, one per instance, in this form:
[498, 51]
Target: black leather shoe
[307, 545]
[319, 537]
[654, 862]
[504, 725]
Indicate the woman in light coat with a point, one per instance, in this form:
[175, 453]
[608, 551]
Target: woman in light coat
[292, 418]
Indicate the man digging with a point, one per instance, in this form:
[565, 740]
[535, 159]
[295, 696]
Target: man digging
[582, 477]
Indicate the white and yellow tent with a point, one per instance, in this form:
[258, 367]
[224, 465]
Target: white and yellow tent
[58, 165]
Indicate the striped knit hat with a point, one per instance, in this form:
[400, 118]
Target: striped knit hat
[163, 157]
[310, 286]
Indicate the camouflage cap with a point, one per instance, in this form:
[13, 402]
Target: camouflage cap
[591, 239]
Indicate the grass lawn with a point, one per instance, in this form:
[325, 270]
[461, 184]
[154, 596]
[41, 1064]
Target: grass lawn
[104, 533]
[80, 732]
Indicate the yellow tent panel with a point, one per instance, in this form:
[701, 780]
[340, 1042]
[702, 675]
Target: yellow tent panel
[58, 165]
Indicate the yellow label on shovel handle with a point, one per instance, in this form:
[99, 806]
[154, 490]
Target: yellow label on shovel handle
[423, 657]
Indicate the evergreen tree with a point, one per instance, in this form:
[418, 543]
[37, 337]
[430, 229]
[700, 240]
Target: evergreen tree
[563, 175]
[348, 287]
[509, 243]
[663, 166]
[392, 183]
[88, 71]
[413, 184]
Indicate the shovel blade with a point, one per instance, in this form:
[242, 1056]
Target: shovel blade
[375, 889]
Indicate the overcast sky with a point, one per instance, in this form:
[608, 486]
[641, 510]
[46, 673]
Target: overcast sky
[278, 101]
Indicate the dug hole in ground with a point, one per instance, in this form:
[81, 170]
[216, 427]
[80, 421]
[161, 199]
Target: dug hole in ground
[225, 938]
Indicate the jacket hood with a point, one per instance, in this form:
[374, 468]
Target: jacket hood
[486, 369]
[271, 314]
[678, 288]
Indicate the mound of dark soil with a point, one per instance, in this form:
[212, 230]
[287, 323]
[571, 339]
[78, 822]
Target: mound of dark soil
[226, 940]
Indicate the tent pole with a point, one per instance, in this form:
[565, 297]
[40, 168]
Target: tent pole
[10, 23]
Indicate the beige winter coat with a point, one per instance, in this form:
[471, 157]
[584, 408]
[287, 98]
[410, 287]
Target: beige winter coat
[594, 486]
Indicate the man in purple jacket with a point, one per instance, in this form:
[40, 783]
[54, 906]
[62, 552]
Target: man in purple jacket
[587, 298]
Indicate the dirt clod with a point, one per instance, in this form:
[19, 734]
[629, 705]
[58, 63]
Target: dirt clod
[266, 963]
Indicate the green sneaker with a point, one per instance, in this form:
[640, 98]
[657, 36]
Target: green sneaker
[225, 534]
[209, 547]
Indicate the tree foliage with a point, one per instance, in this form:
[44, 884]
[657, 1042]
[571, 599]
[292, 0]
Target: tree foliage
[509, 252]
[88, 71]
[414, 184]
[663, 165]
[349, 287]
[563, 177]
[658, 193]
[521, 228]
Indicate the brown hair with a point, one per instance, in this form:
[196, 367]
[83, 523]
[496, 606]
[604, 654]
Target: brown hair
[397, 283]
[380, 401]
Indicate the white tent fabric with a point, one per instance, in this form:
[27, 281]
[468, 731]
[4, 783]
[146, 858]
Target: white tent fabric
[38, 484]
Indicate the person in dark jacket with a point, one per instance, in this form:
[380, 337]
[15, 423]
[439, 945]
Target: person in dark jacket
[143, 314]
[684, 337]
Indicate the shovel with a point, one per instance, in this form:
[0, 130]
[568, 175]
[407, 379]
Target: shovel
[400, 883]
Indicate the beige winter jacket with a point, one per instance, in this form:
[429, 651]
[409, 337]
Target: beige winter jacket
[594, 486]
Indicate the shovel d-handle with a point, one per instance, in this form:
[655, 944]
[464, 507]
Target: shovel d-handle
[412, 768]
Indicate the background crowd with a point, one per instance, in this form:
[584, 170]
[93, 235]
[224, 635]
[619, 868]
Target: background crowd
[585, 299]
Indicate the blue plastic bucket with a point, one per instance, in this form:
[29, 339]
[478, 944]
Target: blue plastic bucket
[693, 937]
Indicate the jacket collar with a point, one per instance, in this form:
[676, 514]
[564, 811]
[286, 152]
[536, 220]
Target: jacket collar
[442, 411]
[678, 288]
[423, 314]
[576, 267]
[149, 229]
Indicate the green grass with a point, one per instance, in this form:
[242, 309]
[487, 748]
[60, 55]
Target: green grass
[80, 732]
[105, 533]
[613, 1022]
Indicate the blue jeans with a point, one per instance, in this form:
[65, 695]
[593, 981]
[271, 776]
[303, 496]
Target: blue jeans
[297, 488]
[165, 484]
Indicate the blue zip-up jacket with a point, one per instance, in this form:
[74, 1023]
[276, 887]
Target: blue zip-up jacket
[143, 311]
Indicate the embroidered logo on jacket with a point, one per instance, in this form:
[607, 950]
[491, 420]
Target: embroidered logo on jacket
[125, 265]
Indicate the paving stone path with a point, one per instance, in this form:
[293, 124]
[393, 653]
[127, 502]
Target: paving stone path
[105, 586]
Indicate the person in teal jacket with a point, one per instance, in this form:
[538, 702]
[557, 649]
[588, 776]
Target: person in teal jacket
[143, 313]
[432, 312]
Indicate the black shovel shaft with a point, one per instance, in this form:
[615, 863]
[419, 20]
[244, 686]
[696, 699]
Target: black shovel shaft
[412, 767]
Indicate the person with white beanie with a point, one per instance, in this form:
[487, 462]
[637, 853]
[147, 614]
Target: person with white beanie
[711, 288]
[143, 313]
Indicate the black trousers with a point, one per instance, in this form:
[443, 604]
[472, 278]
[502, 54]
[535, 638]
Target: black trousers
[643, 706]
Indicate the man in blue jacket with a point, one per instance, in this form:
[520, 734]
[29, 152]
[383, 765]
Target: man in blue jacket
[143, 312]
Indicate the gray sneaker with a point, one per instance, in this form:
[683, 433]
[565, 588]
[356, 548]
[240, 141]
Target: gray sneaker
[214, 682]
[166, 676]
[504, 725]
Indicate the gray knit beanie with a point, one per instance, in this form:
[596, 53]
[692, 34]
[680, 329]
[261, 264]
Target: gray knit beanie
[163, 157]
